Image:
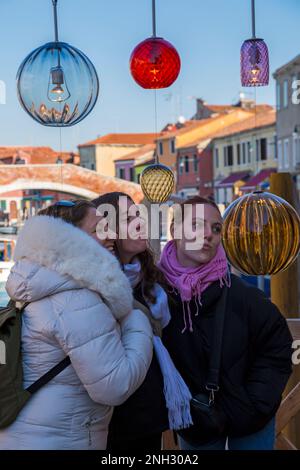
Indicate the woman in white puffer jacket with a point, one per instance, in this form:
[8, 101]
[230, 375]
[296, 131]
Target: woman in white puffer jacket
[80, 306]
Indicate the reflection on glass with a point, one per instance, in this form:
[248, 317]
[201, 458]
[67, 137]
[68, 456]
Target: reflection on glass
[261, 233]
[157, 183]
[57, 85]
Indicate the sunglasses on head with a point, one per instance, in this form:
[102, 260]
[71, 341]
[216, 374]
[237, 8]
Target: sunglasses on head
[65, 203]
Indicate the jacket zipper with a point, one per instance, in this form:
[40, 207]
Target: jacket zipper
[88, 427]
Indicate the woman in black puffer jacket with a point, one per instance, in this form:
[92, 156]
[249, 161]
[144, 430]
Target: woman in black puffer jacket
[256, 348]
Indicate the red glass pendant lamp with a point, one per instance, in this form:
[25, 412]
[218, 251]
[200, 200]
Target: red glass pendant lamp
[154, 62]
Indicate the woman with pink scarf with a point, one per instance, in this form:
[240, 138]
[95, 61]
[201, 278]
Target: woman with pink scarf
[230, 344]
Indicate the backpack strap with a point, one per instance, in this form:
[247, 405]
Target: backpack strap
[49, 375]
[33, 388]
[19, 305]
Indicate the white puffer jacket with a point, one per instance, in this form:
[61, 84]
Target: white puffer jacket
[81, 306]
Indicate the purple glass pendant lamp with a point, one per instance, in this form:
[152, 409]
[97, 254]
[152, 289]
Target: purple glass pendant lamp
[254, 59]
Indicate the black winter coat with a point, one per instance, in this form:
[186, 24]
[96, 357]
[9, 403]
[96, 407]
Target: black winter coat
[256, 353]
[144, 413]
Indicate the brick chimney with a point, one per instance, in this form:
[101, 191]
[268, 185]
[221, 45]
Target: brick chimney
[203, 112]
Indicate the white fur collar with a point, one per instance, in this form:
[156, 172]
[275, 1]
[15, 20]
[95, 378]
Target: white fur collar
[66, 249]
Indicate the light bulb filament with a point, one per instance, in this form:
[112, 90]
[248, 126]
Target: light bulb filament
[57, 78]
[255, 71]
[58, 89]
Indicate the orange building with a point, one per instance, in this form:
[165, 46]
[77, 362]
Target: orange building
[100, 154]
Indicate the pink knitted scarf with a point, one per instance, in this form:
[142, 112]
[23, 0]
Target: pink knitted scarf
[191, 282]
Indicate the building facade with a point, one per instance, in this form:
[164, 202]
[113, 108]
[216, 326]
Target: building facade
[288, 116]
[244, 151]
[195, 170]
[186, 140]
[126, 167]
[139, 167]
[100, 154]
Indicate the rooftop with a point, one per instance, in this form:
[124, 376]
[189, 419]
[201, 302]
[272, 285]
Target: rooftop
[255, 121]
[289, 65]
[122, 139]
[142, 151]
[211, 127]
[36, 155]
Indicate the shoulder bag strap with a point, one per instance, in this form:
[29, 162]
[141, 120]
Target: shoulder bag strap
[215, 358]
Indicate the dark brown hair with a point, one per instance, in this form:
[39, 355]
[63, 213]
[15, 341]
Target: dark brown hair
[150, 272]
[71, 214]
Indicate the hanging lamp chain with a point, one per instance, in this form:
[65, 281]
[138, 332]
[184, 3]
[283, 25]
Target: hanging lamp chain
[156, 135]
[153, 19]
[253, 18]
[155, 104]
[54, 2]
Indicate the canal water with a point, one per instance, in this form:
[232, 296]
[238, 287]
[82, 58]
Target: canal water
[3, 295]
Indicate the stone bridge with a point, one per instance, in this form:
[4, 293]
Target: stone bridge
[68, 178]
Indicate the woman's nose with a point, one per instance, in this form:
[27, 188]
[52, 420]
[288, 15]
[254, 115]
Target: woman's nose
[207, 232]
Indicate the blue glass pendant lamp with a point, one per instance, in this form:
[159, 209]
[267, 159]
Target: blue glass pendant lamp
[57, 84]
